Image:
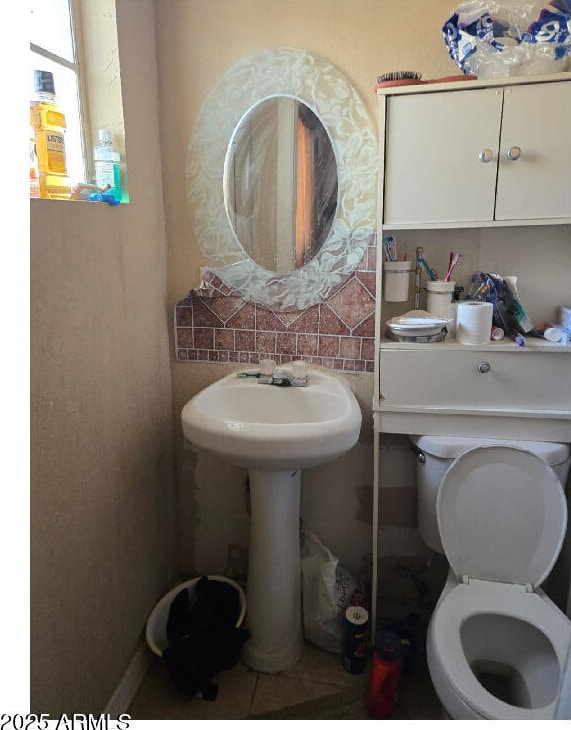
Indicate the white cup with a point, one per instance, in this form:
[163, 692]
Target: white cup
[439, 298]
[397, 277]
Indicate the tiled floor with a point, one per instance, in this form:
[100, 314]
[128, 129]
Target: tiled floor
[245, 693]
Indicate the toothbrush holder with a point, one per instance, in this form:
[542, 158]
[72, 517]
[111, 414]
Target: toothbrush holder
[397, 278]
[439, 302]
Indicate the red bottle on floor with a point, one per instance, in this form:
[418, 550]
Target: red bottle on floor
[384, 684]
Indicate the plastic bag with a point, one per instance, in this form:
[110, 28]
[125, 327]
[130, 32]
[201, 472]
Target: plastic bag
[498, 38]
[509, 313]
[327, 589]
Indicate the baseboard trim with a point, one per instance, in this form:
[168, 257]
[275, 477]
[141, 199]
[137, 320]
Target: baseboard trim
[130, 681]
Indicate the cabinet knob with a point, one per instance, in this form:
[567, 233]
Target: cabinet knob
[484, 367]
[514, 153]
[486, 155]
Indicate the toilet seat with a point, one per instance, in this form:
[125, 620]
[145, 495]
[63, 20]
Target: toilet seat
[485, 597]
[502, 517]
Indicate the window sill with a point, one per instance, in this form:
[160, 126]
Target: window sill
[90, 194]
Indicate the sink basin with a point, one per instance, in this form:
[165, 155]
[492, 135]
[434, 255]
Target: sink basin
[271, 427]
[274, 432]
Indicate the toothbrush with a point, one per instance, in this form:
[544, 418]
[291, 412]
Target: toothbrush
[452, 264]
[429, 271]
[390, 248]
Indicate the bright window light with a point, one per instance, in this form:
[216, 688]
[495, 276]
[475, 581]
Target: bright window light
[52, 48]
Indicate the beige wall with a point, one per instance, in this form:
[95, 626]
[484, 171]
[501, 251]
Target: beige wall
[104, 512]
[102, 515]
[198, 40]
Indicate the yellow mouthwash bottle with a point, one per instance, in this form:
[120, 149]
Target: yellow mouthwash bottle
[48, 122]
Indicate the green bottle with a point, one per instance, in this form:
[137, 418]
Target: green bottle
[107, 161]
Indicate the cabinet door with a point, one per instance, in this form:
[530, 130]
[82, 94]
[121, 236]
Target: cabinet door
[433, 171]
[537, 120]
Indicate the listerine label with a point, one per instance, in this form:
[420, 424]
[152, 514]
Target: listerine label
[55, 152]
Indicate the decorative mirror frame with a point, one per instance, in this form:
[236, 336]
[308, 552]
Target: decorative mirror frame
[315, 82]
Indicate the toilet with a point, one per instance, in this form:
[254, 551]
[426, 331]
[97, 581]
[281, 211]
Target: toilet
[497, 647]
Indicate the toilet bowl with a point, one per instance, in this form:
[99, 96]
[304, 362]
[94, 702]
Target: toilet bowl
[497, 645]
[497, 652]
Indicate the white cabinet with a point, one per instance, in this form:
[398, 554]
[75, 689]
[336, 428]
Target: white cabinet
[475, 155]
[536, 119]
[478, 155]
[495, 391]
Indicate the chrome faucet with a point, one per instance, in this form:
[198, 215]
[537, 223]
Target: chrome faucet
[270, 374]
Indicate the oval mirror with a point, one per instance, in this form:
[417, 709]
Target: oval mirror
[216, 201]
[280, 184]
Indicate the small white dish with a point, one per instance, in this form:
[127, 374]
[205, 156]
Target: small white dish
[418, 322]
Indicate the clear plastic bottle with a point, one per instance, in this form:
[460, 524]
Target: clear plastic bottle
[48, 122]
[107, 162]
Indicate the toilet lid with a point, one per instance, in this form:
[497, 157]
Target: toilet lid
[502, 515]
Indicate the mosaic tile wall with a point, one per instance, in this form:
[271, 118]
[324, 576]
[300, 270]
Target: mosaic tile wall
[214, 324]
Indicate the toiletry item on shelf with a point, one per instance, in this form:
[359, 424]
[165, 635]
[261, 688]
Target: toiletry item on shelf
[390, 246]
[507, 310]
[248, 375]
[48, 122]
[107, 162]
[564, 318]
[439, 301]
[384, 683]
[398, 78]
[553, 334]
[474, 322]
[424, 264]
[515, 308]
[453, 262]
[417, 326]
[397, 277]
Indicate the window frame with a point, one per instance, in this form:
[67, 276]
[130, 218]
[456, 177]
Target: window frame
[93, 23]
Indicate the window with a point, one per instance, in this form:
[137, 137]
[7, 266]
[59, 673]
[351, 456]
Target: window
[52, 48]
[76, 40]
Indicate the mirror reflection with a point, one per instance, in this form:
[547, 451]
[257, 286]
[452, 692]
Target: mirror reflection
[281, 183]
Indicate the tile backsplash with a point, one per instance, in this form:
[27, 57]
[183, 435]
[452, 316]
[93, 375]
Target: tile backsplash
[214, 324]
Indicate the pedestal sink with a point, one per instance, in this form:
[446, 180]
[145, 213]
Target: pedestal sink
[274, 432]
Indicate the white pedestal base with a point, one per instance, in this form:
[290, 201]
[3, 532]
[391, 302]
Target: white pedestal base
[273, 591]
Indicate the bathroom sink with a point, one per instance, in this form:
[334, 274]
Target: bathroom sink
[274, 432]
[272, 427]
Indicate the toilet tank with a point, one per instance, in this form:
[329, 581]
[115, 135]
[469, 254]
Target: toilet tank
[435, 454]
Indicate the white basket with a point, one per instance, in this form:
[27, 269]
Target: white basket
[156, 630]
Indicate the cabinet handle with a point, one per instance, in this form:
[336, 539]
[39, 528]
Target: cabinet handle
[486, 155]
[514, 153]
[484, 367]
